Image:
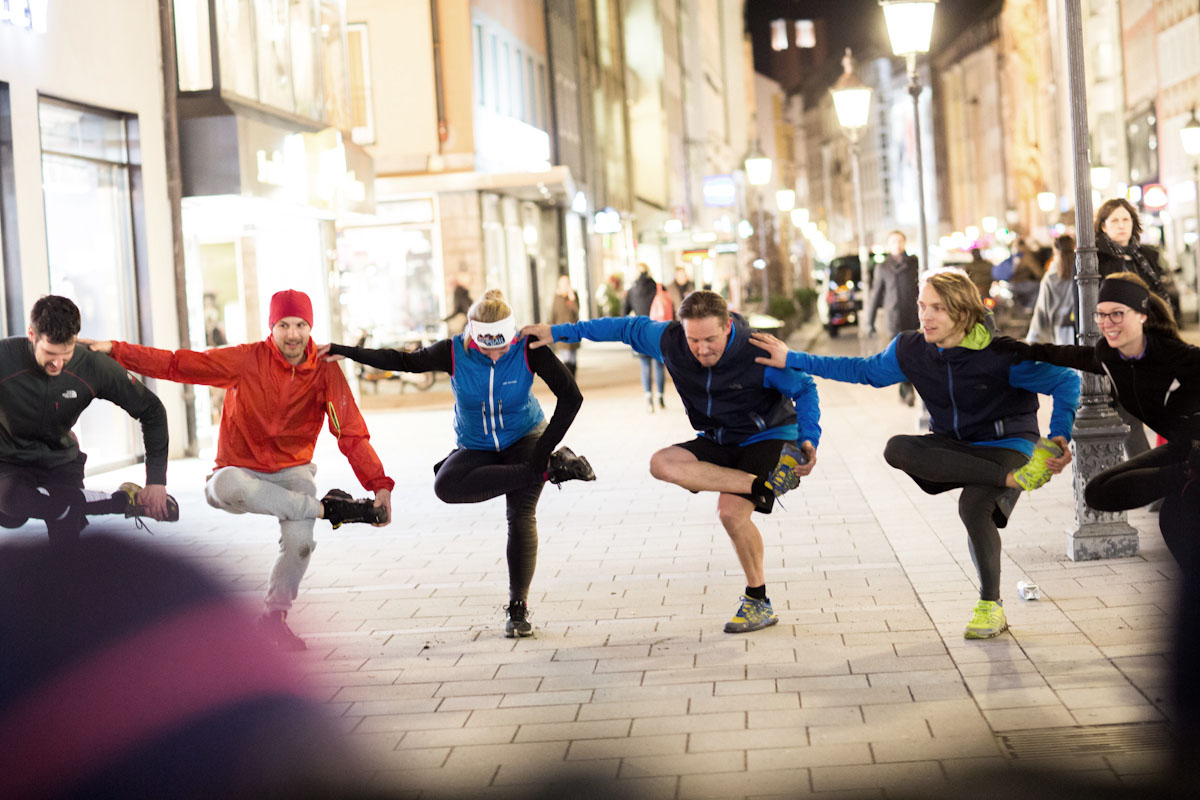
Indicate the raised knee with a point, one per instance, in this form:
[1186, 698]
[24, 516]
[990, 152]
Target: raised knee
[225, 487]
[895, 451]
[659, 467]
[1097, 498]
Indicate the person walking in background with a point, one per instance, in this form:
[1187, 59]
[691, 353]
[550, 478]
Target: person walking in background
[895, 291]
[757, 428]
[1119, 249]
[46, 382]
[983, 407]
[680, 287]
[563, 311]
[1026, 276]
[610, 297]
[460, 303]
[638, 301]
[979, 270]
[278, 396]
[504, 443]
[1054, 312]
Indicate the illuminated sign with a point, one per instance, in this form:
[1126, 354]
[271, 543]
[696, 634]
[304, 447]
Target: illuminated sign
[27, 14]
[1154, 196]
[719, 191]
[607, 221]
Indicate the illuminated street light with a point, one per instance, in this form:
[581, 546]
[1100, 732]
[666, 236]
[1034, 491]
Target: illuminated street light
[799, 217]
[910, 25]
[852, 102]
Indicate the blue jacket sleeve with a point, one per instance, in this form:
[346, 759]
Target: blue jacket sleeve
[643, 334]
[1060, 383]
[803, 390]
[881, 369]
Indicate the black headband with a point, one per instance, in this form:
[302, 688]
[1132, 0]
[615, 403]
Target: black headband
[1115, 290]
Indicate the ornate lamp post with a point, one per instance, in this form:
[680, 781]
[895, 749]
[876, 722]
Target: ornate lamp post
[910, 24]
[1190, 134]
[1099, 432]
[758, 172]
[852, 102]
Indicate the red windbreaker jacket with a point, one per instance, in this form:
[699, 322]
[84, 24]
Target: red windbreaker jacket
[273, 410]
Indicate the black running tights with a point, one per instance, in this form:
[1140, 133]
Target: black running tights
[472, 476]
[61, 504]
[938, 464]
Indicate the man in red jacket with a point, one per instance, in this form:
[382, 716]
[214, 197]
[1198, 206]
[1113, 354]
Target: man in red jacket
[278, 394]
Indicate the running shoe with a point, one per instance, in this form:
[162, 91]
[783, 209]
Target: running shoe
[566, 466]
[128, 492]
[752, 615]
[518, 620]
[784, 478]
[273, 625]
[987, 621]
[339, 508]
[1035, 473]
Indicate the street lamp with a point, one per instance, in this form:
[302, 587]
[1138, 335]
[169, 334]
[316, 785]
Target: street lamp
[758, 172]
[852, 102]
[1046, 202]
[1190, 134]
[910, 24]
[1098, 431]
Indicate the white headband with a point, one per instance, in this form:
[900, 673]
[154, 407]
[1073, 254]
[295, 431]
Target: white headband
[493, 334]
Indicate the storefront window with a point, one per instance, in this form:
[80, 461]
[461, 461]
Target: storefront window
[193, 53]
[306, 58]
[274, 54]
[86, 175]
[362, 113]
[390, 285]
[334, 65]
[235, 45]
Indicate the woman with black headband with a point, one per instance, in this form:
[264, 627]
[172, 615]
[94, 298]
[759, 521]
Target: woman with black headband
[1156, 377]
[504, 441]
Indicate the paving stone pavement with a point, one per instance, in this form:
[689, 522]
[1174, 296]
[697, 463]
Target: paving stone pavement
[866, 688]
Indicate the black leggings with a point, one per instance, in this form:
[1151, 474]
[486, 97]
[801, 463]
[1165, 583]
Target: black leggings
[62, 505]
[1158, 473]
[472, 476]
[938, 464]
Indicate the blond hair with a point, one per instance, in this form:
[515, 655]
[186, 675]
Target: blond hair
[492, 307]
[959, 295]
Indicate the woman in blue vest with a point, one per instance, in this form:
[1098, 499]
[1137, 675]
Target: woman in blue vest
[983, 415]
[504, 441]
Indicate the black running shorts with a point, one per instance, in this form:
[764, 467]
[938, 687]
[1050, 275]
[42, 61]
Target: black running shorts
[757, 458]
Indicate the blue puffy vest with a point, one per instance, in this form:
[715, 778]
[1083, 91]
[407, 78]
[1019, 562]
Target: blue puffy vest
[493, 404]
[967, 391]
[727, 402]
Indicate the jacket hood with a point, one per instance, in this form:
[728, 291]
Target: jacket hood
[978, 338]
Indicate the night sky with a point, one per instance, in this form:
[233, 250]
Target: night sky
[859, 23]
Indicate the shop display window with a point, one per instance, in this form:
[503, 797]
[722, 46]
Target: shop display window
[193, 45]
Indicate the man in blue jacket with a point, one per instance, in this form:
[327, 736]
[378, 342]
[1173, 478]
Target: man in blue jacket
[758, 427]
[983, 413]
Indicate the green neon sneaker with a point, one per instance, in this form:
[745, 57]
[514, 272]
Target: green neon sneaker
[784, 478]
[752, 615]
[988, 621]
[129, 491]
[1035, 473]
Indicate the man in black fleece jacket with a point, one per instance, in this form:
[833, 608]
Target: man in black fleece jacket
[46, 381]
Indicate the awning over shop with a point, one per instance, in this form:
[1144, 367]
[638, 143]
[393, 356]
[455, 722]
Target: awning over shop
[230, 149]
[554, 185]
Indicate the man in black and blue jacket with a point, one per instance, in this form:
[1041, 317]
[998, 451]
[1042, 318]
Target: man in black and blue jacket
[757, 427]
[983, 415]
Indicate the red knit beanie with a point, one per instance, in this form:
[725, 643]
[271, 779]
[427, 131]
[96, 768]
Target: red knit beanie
[290, 303]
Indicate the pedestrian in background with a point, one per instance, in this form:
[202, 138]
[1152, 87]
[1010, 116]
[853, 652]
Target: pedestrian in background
[460, 304]
[1026, 276]
[979, 270]
[1054, 312]
[895, 291]
[638, 301]
[565, 310]
[680, 287]
[610, 296]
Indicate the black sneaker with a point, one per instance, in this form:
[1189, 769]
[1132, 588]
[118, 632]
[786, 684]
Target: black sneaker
[518, 620]
[339, 508]
[566, 466]
[273, 625]
[128, 493]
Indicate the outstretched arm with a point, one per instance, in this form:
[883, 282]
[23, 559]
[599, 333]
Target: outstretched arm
[881, 369]
[218, 367]
[643, 334]
[569, 399]
[435, 358]
[1063, 355]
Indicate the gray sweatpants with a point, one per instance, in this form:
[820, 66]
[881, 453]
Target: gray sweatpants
[289, 494]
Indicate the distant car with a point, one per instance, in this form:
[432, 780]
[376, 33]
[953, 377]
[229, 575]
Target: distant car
[840, 297]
